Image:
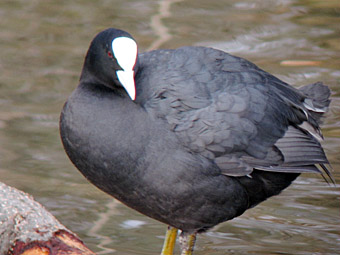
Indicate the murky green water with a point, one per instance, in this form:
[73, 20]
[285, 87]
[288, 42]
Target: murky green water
[42, 45]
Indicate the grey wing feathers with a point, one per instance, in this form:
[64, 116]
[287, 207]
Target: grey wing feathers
[302, 153]
[299, 149]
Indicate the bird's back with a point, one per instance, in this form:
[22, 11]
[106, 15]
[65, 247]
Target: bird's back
[226, 108]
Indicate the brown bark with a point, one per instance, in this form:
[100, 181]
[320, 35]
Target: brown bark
[27, 228]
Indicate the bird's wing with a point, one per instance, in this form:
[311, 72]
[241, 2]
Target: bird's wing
[230, 111]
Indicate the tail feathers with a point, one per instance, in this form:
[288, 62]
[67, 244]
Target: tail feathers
[316, 103]
[317, 100]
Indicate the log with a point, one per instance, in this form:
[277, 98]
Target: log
[27, 228]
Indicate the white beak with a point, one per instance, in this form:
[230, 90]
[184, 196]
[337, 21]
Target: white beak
[126, 78]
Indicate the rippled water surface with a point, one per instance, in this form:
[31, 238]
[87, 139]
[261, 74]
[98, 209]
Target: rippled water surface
[42, 46]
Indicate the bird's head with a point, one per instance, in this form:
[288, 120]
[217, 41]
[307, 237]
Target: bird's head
[111, 61]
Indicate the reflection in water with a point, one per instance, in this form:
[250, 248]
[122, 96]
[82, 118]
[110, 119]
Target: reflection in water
[40, 60]
[157, 24]
[103, 219]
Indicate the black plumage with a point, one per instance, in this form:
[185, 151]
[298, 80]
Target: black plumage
[208, 136]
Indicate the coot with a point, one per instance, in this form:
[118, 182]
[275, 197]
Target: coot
[192, 136]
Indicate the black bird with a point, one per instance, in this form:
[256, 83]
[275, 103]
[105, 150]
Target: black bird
[192, 136]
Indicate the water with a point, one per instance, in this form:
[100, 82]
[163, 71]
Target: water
[42, 48]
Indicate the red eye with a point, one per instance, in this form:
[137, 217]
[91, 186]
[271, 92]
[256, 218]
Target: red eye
[109, 53]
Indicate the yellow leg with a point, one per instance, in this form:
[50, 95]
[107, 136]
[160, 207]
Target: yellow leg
[169, 241]
[187, 243]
